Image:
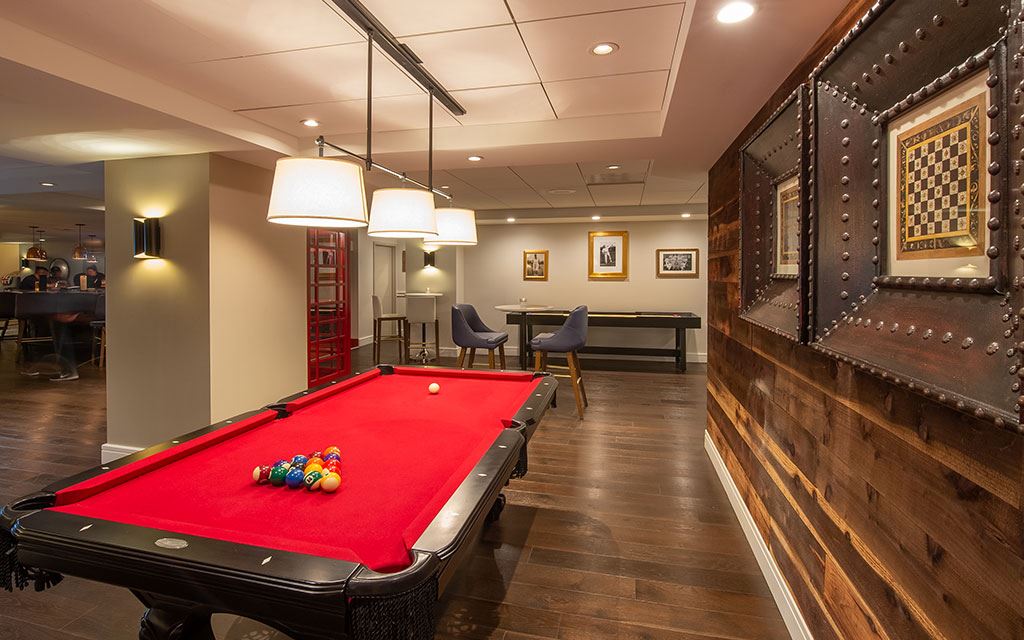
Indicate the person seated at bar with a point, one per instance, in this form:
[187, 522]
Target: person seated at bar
[93, 278]
[37, 281]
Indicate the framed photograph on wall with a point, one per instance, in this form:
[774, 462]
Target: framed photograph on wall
[608, 255]
[677, 263]
[939, 182]
[535, 264]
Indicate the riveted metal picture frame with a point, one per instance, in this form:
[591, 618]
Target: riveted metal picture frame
[912, 151]
[773, 167]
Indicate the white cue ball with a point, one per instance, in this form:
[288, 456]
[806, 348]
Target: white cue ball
[434, 387]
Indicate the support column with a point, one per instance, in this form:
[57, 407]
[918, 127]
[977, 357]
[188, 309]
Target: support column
[215, 326]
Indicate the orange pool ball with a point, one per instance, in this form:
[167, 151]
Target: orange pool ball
[332, 450]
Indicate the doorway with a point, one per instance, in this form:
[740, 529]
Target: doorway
[384, 276]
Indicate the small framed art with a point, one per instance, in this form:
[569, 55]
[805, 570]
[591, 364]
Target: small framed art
[535, 264]
[608, 255]
[677, 263]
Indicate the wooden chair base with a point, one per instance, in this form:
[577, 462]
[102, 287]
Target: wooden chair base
[402, 337]
[472, 354]
[575, 375]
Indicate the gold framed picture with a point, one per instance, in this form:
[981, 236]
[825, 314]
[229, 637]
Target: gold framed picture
[535, 264]
[608, 255]
[677, 263]
[938, 182]
[787, 226]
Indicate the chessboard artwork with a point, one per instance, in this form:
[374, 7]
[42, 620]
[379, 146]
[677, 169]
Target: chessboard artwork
[787, 225]
[939, 177]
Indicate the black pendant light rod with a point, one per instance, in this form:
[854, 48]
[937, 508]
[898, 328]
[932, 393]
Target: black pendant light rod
[321, 143]
[400, 53]
[430, 140]
[369, 99]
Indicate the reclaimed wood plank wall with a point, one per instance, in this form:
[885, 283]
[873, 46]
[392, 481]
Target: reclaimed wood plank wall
[889, 515]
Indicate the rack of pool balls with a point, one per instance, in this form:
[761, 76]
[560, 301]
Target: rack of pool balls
[319, 471]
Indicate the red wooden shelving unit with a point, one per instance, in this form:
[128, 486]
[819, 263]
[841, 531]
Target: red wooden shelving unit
[329, 353]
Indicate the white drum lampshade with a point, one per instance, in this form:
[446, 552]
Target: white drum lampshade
[455, 227]
[318, 192]
[403, 213]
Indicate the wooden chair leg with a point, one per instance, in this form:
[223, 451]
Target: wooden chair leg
[490, 358]
[575, 383]
[472, 355]
[103, 347]
[501, 355]
[538, 361]
[579, 374]
[462, 356]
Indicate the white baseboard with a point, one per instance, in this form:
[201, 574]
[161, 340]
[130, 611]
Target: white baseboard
[110, 452]
[784, 599]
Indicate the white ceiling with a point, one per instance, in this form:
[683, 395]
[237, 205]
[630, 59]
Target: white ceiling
[121, 78]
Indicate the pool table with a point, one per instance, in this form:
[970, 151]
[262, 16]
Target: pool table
[184, 526]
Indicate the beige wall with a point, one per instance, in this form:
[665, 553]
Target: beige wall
[257, 324]
[441, 279]
[492, 275]
[10, 257]
[158, 311]
[214, 327]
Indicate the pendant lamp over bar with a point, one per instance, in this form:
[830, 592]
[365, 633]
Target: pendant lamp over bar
[79, 252]
[36, 253]
[318, 192]
[402, 213]
[455, 227]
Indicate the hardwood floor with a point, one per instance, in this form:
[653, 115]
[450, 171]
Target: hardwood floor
[620, 529]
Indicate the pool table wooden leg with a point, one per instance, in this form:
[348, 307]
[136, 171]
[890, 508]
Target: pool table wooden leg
[167, 620]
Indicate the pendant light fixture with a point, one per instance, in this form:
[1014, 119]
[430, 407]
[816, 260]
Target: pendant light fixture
[318, 192]
[90, 256]
[79, 252]
[402, 213]
[455, 227]
[324, 192]
[36, 253]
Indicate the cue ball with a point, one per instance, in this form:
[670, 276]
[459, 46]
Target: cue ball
[434, 387]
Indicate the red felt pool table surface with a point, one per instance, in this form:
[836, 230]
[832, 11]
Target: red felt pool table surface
[404, 452]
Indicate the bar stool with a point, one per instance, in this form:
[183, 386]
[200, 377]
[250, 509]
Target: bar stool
[402, 337]
[422, 311]
[568, 339]
[470, 332]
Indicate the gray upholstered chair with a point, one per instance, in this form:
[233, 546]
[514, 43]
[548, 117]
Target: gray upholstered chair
[470, 332]
[567, 339]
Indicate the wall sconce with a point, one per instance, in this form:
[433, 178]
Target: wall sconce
[428, 260]
[147, 237]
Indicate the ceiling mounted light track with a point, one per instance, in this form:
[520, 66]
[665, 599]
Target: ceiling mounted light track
[298, 196]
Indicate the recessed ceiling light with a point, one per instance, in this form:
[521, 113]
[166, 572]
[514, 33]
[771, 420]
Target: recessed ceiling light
[310, 122]
[595, 217]
[510, 219]
[47, 184]
[684, 215]
[604, 48]
[735, 12]
[445, 186]
[475, 158]
[613, 167]
[561, 192]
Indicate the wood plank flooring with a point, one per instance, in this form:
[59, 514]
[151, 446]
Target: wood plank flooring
[620, 529]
